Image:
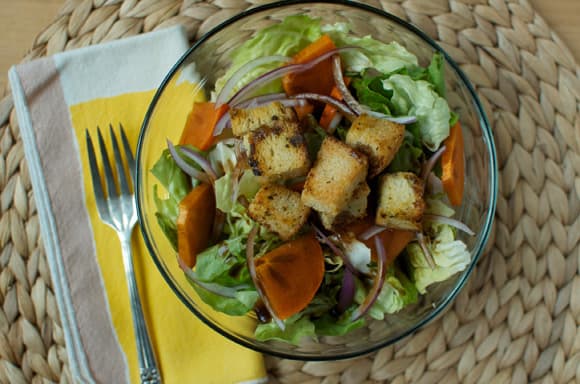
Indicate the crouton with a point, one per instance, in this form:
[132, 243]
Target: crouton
[279, 209]
[378, 138]
[356, 208]
[337, 172]
[249, 119]
[401, 203]
[278, 152]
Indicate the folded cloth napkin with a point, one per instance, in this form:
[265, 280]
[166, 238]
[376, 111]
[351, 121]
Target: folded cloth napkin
[56, 99]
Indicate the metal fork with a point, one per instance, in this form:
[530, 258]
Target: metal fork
[117, 209]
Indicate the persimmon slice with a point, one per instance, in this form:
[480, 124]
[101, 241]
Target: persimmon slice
[194, 223]
[291, 274]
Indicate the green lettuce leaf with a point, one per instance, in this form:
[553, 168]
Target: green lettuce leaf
[397, 293]
[436, 73]
[286, 38]
[296, 328]
[450, 256]
[410, 155]
[233, 306]
[383, 57]
[177, 185]
[328, 325]
[418, 98]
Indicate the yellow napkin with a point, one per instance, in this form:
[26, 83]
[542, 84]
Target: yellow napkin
[54, 111]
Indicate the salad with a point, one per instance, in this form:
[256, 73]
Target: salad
[315, 187]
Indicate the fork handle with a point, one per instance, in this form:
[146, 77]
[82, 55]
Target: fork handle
[148, 371]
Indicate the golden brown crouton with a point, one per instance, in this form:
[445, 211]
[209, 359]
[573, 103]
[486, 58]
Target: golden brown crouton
[401, 203]
[249, 119]
[356, 208]
[279, 209]
[278, 152]
[337, 172]
[378, 138]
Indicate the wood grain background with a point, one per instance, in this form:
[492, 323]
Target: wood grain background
[22, 20]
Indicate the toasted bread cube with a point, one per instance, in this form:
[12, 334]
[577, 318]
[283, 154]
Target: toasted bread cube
[337, 172]
[245, 120]
[401, 203]
[356, 208]
[277, 153]
[279, 209]
[378, 138]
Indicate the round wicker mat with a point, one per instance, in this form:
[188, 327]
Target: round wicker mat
[517, 319]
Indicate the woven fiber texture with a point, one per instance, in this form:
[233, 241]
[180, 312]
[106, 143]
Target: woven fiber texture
[518, 318]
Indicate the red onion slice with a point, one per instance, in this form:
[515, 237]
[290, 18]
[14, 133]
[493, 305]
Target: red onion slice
[425, 249]
[201, 161]
[224, 122]
[405, 120]
[347, 291]
[262, 99]
[334, 123]
[430, 164]
[434, 183]
[341, 107]
[254, 276]
[449, 221]
[281, 71]
[341, 85]
[371, 231]
[243, 71]
[182, 164]
[378, 282]
[322, 238]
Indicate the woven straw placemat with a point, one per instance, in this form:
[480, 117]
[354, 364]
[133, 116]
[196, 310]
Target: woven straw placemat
[517, 319]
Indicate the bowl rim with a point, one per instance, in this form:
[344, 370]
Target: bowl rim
[487, 136]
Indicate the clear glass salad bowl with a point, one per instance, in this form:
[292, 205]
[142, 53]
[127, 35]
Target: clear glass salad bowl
[206, 61]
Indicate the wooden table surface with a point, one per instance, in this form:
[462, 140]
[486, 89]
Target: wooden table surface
[22, 20]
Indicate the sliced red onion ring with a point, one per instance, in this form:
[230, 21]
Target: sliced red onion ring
[216, 289]
[224, 122]
[425, 249]
[378, 282]
[405, 120]
[430, 164]
[434, 183]
[201, 161]
[340, 106]
[254, 276]
[341, 85]
[263, 99]
[281, 71]
[371, 231]
[347, 290]
[449, 221]
[322, 238]
[182, 164]
[243, 71]
[334, 123]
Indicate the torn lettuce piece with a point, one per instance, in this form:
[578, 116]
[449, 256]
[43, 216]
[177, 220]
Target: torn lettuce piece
[450, 256]
[397, 292]
[328, 325]
[242, 303]
[296, 328]
[285, 39]
[227, 190]
[418, 98]
[176, 185]
[383, 57]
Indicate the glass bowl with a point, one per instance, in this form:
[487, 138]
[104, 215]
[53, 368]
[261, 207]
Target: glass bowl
[208, 57]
